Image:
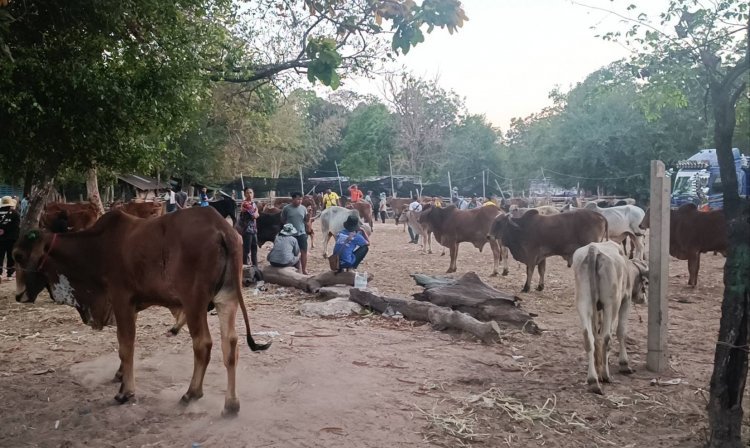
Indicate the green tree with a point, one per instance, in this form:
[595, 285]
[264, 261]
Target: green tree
[714, 41]
[473, 146]
[368, 140]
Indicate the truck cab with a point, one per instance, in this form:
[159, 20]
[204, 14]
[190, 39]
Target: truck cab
[698, 180]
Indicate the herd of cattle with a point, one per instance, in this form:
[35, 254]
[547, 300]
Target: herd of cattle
[124, 264]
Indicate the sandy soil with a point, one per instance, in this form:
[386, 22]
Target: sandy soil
[362, 381]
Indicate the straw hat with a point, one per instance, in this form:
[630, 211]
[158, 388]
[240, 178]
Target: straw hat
[7, 201]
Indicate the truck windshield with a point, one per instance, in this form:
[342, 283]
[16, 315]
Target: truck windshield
[683, 185]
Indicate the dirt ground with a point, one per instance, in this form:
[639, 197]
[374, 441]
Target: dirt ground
[364, 381]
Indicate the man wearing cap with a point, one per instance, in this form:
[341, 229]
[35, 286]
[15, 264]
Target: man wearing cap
[285, 251]
[351, 244]
[295, 214]
[10, 222]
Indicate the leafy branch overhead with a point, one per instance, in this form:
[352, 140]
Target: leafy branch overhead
[328, 38]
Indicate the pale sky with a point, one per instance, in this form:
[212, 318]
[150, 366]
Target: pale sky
[512, 53]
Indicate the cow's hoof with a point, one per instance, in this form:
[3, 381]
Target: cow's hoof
[595, 387]
[505, 272]
[525, 289]
[429, 251]
[626, 369]
[540, 288]
[172, 332]
[450, 271]
[494, 274]
[123, 398]
[231, 408]
[190, 396]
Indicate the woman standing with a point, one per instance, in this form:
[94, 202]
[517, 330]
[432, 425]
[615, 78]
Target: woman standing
[248, 229]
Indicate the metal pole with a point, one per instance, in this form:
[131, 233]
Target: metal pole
[484, 191]
[301, 182]
[242, 181]
[390, 165]
[657, 357]
[338, 176]
[450, 188]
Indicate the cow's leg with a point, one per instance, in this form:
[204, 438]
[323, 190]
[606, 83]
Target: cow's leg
[496, 256]
[429, 242]
[126, 339]
[622, 321]
[454, 255]
[542, 267]
[198, 324]
[118, 375]
[529, 274]
[636, 248]
[587, 314]
[694, 265]
[606, 335]
[227, 312]
[325, 244]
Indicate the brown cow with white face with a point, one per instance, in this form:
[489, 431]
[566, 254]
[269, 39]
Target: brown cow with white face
[124, 265]
[534, 237]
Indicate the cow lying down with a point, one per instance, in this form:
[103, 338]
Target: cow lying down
[123, 265]
[606, 284]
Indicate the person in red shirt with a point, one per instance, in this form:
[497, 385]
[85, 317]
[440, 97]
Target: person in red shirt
[355, 193]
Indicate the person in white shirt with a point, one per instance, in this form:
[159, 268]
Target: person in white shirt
[415, 206]
[171, 200]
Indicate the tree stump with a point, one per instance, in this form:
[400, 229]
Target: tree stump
[442, 318]
[310, 283]
[469, 294]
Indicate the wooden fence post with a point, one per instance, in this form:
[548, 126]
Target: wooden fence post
[657, 359]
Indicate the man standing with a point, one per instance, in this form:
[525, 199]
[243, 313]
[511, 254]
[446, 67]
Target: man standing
[171, 200]
[247, 227]
[181, 198]
[368, 199]
[355, 194]
[295, 214]
[10, 222]
[415, 206]
[204, 197]
[330, 199]
[383, 207]
[473, 202]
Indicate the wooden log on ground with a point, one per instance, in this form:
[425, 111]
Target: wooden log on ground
[441, 318]
[469, 294]
[310, 283]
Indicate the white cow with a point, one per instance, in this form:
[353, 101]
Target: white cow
[606, 284]
[623, 221]
[332, 222]
[412, 220]
[546, 210]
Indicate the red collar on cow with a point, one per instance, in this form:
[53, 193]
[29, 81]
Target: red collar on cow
[46, 254]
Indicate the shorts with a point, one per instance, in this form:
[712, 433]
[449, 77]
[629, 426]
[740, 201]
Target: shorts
[302, 241]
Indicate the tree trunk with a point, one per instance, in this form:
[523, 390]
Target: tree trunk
[39, 197]
[442, 318]
[92, 189]
[470, 295]
[731, 358]
[310, 283]
[28, 181]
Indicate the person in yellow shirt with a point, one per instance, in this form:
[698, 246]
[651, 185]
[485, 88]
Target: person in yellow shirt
[437, 202]
[330, 199]
[490, 201]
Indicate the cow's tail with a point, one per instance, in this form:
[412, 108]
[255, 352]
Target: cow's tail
[237, 286]
[606, 230]
[593, 259]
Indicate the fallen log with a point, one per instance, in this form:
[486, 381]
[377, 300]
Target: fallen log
[441, 318]
[469, 294]
[310, 283]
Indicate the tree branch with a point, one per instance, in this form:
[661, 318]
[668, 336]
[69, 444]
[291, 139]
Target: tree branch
[742, 66]
[736, 94]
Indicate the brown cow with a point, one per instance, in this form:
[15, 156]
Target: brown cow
[365, 211]
[63, 217]
[141, 209]
[534, 237]
[692, 232]
[124, 265]
[452, 226]
[397, 205]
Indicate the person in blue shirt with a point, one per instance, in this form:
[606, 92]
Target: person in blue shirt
[204, 197]
[351, 244]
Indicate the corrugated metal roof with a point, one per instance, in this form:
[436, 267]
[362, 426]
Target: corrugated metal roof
[143, 182]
